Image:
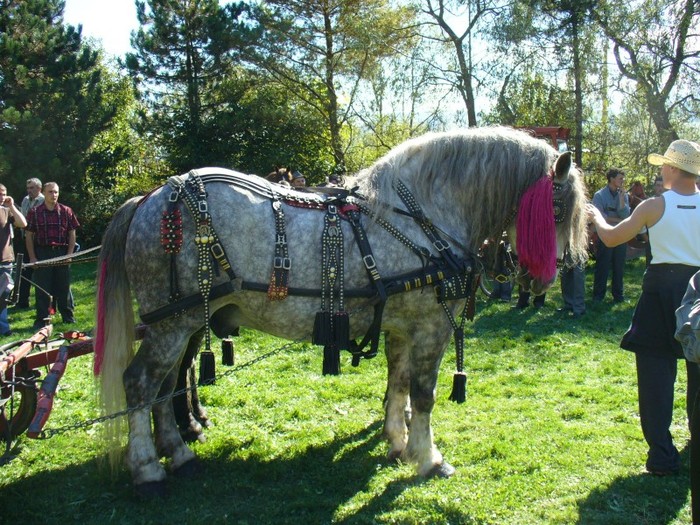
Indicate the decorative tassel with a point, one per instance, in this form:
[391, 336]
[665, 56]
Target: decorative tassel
[227, 356]
[331, 360]
[536, 242]
[207, 368]
[459, 387]
[323, 329]
[341, 330]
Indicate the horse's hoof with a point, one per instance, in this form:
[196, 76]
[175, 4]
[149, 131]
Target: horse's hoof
[443, 470]
[188, 469]
[150, 490]
[394, 456]
[190, 435]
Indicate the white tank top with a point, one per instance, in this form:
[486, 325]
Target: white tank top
[675, 239]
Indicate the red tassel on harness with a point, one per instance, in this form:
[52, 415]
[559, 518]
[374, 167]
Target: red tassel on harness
[536, 241]
[99, 348]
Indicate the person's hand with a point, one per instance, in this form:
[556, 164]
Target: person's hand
[592, 212]
[8, 201]
[33, 259]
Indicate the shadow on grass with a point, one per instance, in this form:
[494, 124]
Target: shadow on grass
[310, 487]
[638, 499]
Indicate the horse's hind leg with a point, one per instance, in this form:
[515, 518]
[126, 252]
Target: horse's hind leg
[189, 413]
[168, 438]
[398, 384]
[152, 371]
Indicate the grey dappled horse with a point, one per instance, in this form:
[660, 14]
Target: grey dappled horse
[468, 183]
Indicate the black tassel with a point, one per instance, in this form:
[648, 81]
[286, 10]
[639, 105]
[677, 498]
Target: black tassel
[331, 360]
[207, 368]
[341, 330]
[459, 388]
[323, 329]
[227, 357]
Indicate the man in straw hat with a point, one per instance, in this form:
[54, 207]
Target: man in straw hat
[673, 222]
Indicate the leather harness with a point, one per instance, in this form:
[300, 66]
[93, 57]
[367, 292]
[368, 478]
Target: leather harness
[453, 277]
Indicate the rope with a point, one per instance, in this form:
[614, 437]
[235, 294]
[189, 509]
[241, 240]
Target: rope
[73, 258]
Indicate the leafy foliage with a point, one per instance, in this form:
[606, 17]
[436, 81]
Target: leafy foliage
[52, 102]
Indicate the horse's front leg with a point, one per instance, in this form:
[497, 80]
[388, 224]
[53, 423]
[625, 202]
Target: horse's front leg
[426, 349]
[396, 399]
[157, 357]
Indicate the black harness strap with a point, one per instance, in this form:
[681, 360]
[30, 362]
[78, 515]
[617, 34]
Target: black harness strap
[442, 246]
[282, 264]
[373, 333]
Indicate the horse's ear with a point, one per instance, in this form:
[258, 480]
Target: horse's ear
[562, 167]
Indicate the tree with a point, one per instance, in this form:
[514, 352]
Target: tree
[51, 96]
[322, 50]
[184, 48]
[532, 101]
[654, 48]
[448, 16]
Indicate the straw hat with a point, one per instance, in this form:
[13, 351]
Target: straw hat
[681, 154]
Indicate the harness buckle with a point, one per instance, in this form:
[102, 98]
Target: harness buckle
[332, 209]
[441, 245]
[284, 263]
[369, 262]
[174, 196]
[281, 239]
[203, 207]
[217, 250]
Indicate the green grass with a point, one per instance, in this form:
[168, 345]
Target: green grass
[549, 435]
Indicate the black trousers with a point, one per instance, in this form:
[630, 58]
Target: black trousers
[52, 280]
[607, 259]
[656, 377]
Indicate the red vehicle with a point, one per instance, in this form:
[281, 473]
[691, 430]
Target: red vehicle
[557, 136]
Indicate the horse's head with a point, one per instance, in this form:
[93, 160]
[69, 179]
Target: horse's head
[551, 221]
[280, 175]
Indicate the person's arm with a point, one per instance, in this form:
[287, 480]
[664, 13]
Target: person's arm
[71, 242]
[19, 220]
[623, 208]
[646, 214]
[29, 243]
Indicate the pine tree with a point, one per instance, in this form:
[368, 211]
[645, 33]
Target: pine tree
[184, 50]
[51, 100]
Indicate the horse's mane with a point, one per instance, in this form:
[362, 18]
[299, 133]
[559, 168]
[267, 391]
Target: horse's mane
[480, 172]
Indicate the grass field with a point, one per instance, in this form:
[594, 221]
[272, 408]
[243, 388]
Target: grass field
[549, 435]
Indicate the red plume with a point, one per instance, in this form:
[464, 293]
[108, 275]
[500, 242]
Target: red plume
[536, 241]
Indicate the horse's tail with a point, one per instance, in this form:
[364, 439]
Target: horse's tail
[114, 332]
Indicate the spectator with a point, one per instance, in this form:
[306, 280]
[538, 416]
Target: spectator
[9, 215]
[613, 203]
[673, 223]
[32, 199]
[636, 194]
[524, 300]
[298, 180]
[658, 186]
[51, 233]
[573, 290]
